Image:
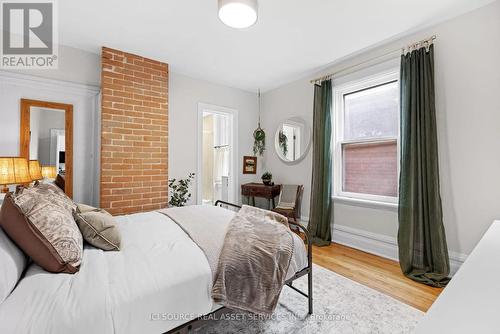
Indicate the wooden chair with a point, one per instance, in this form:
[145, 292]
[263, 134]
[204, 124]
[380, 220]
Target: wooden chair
[292, 212]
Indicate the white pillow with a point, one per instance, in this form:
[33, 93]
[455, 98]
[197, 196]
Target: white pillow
[12, 261]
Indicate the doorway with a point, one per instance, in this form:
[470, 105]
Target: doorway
[216, 154]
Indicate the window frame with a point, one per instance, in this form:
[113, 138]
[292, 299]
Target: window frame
[339, 91]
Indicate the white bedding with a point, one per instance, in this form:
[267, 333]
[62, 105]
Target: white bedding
[158, 281]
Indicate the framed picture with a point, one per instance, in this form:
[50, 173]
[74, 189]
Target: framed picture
[249, 165]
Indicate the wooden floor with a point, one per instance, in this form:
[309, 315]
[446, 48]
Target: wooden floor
[375, 272]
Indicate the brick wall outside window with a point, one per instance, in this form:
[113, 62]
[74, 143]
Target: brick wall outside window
[371, 168]
[134, 133]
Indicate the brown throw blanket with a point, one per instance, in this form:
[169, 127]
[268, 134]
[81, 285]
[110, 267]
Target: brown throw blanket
[252, 251]
[254, 261]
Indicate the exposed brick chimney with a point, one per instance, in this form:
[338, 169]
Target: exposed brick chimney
[134, 133]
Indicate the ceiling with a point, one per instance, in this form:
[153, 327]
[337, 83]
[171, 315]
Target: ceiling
[291, 39]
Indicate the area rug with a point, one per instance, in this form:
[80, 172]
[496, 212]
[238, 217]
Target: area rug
[340, 306]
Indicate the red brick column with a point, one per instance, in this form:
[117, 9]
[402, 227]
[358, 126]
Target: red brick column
[134, 133]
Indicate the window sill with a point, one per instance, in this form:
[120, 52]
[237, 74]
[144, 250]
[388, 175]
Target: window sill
[365, 203]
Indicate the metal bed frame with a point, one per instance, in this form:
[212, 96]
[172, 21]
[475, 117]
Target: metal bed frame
[199, 322]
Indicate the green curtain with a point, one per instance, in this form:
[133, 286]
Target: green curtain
[321, 186]
[423, 253]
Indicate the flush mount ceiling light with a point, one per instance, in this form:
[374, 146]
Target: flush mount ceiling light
[238, 14]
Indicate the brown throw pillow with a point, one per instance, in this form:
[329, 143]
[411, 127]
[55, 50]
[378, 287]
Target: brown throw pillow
[43, 228]
[98, 229]
[60, 182]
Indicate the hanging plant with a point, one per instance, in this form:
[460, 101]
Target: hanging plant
[259, 136]
[259, 144]
[283, 142]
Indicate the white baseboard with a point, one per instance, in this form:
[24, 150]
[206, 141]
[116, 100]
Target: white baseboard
[373, 243]
[379, 244]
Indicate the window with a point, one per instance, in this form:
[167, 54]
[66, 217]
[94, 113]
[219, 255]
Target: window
[366, 119]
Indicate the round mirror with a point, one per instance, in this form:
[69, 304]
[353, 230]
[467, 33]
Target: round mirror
[292, 139]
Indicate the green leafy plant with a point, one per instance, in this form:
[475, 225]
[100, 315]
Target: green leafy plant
[179, 190]
[259, 144]
[283, 142]
[266, 178]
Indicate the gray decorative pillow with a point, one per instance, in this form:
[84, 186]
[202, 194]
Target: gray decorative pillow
[98, 229]
[85, 208]
[49, 210]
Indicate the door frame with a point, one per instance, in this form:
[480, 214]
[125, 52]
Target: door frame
[233, 176]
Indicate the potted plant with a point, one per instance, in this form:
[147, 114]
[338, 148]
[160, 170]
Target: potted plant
[179, 190]
[266, 178]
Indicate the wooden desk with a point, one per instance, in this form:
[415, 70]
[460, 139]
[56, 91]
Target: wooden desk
[252, 190]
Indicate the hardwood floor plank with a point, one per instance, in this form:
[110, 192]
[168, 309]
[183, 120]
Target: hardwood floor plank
[376, 272]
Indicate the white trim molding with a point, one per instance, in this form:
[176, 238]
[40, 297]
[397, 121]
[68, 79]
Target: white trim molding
[379, 244]
[32, 81]
[366, 203]
[233, 170]
[373, 243]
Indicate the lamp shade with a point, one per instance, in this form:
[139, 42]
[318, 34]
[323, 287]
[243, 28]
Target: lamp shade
[50, 172]
[14, 170]
[7, 171]
[35, 170]
[21, 171]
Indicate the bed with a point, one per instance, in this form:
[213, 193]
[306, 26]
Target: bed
[159, 282]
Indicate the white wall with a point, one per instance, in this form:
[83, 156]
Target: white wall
[13, 87]
[83, 68]
[75, 66]
[75, 81]
[184, 95]
[467, 62]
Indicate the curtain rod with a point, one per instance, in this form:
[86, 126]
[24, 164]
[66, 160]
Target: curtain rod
[408, 48]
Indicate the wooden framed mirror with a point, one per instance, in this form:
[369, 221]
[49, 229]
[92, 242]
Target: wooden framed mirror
[47, 136]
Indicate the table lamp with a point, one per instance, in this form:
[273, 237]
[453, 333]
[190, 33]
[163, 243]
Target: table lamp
[49, 172]
[13, 170]
[35, 170]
